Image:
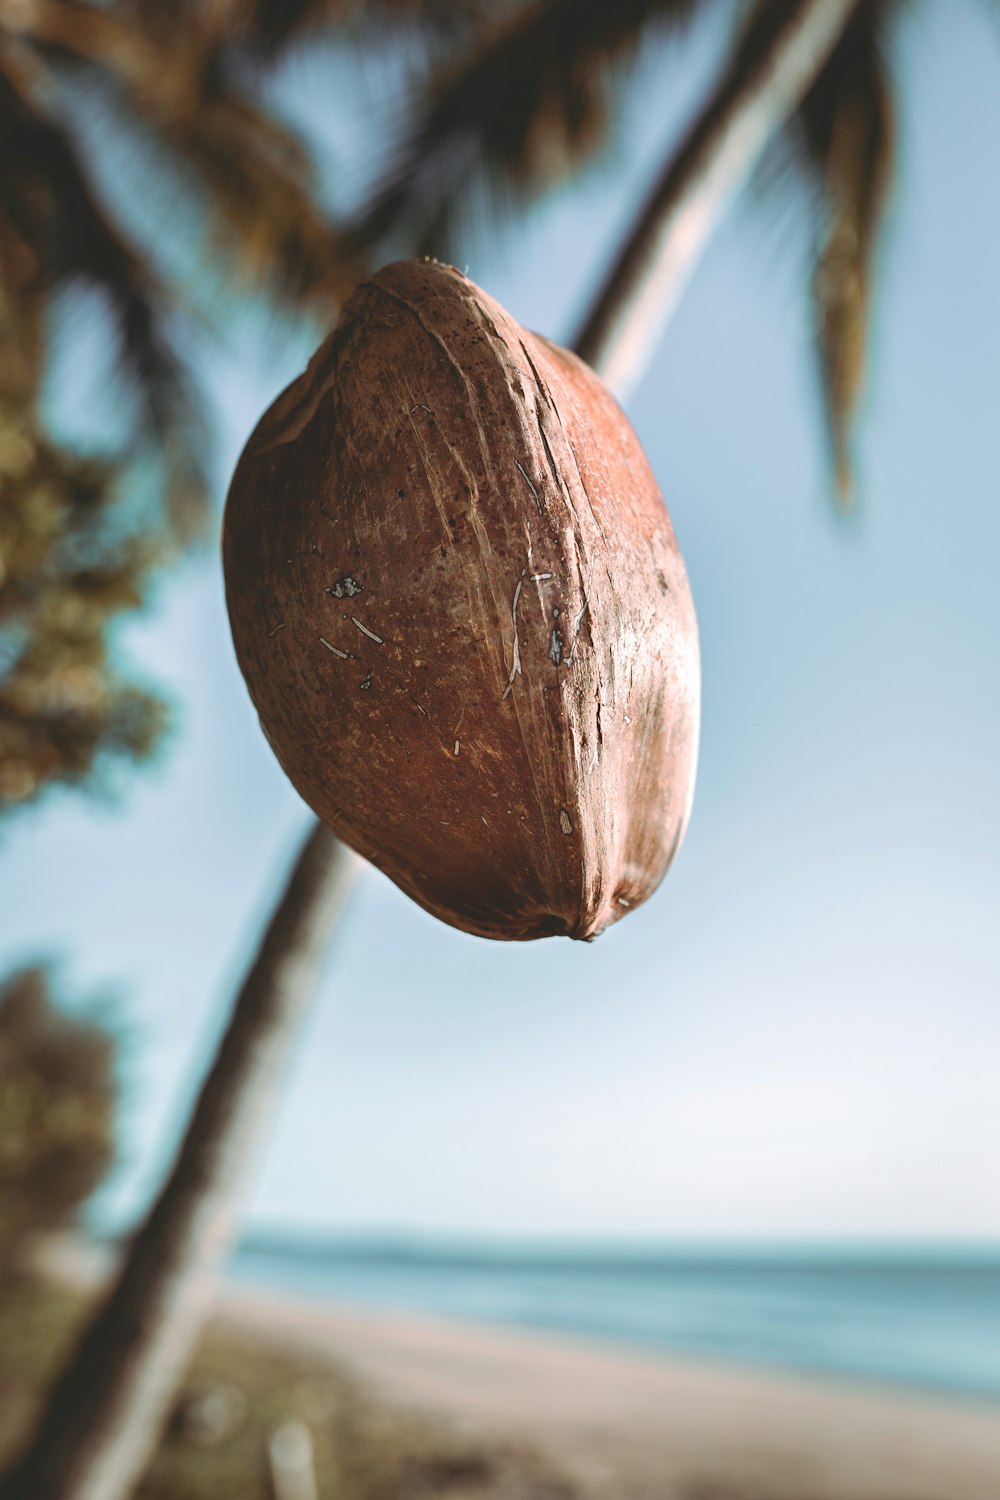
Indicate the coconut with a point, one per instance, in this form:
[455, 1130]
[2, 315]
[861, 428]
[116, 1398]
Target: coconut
[462, 615]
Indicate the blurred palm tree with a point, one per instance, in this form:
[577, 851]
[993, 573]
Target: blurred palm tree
[57, 1106]
[80, 535]
[531, 103]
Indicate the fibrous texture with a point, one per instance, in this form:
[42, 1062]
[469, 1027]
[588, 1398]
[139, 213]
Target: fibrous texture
[462, 615]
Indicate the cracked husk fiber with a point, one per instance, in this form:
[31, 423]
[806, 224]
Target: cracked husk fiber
[462, 615]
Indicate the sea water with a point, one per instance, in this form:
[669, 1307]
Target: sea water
[921, 1318]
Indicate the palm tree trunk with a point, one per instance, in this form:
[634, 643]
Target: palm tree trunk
[754, 97]
[107, 1410]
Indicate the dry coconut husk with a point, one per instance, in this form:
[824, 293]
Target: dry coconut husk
[461, 612]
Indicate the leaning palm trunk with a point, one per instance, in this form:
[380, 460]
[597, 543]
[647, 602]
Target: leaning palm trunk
[107, 1410]
[752, 100]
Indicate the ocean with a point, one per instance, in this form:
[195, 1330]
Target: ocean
[918, 1318]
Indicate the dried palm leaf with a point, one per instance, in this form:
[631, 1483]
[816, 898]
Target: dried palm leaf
[172, 74]
[66, 573]
[842, 138]
[267, 27]
[50, 205]
[528, 105]
[263, 203]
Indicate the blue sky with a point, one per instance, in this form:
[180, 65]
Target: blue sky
[800, 1034]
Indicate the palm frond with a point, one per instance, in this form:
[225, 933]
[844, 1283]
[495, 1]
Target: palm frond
[173, 75]
[270, 26]
[263, 205]
[842, 139]
[265, 28]
[530, 103]
[68, 571]
[48, 200]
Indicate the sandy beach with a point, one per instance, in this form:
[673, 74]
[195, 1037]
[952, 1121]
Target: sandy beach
[622, 1422]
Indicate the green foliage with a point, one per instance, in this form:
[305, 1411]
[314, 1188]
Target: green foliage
[65, 576]
[169, 79]
[61, 237]
[77, 545]
[57, 1099]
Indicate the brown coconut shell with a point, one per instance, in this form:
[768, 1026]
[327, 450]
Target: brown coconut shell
[461, 612]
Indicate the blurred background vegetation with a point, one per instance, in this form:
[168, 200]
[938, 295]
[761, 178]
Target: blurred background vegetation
[57, 1102]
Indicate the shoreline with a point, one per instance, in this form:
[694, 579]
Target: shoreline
[647, 1418]
[828, 1376]
[625, 1421]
